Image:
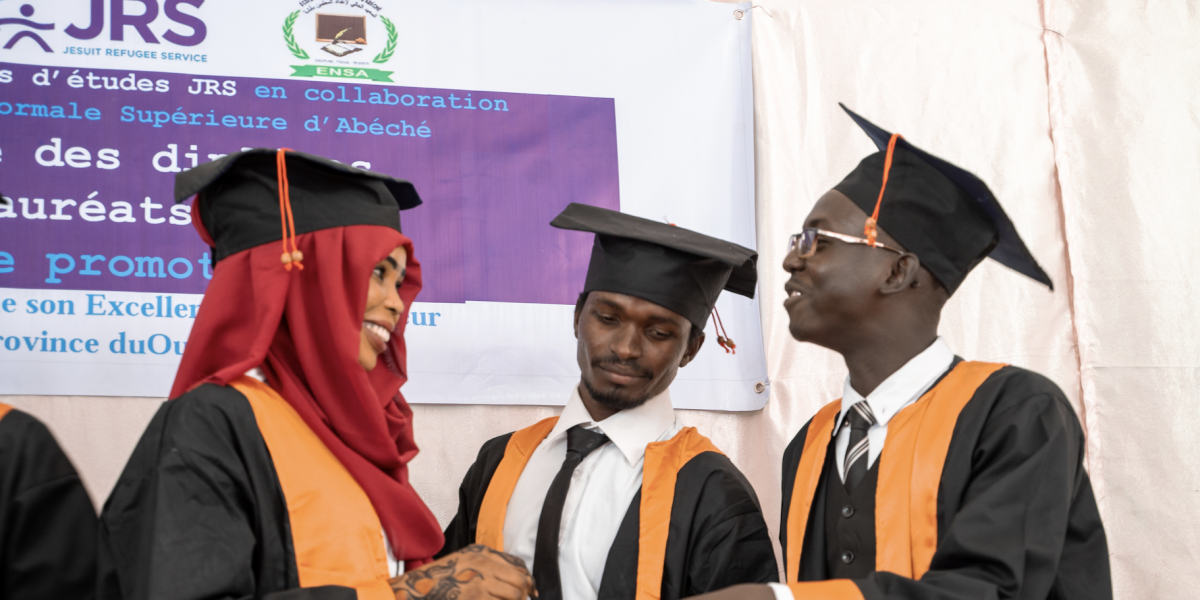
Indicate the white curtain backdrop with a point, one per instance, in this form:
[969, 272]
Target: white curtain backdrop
[1083, 117]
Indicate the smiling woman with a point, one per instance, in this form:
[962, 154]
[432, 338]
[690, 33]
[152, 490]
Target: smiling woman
[288, 434]
[384, 307]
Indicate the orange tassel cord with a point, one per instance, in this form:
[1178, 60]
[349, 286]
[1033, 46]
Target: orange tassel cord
[294, 256]
[869, 229]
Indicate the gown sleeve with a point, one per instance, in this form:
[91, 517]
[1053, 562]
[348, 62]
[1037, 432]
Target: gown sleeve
[1027, 504]
[460, 533]
[198, 513]
[732, 544]
[47, 521]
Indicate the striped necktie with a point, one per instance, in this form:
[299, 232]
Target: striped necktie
[860, 418]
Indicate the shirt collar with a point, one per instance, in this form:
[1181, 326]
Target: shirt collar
[903, 387]
[629, 430]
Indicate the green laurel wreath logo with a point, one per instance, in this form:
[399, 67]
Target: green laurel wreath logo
[290, 38]
[390, 48]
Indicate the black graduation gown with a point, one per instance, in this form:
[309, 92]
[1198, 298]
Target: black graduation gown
[718, 537]
[198, 511]
[47, 521]
[1016, 517]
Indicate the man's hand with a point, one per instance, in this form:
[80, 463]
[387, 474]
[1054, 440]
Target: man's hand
[745, 591]
[473, 573]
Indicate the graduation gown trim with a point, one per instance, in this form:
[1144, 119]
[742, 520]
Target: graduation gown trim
[808, 476]
[4, 410]
[910, 472]
[660, 472]
[336, 535]
[490, 531]
[659, 475]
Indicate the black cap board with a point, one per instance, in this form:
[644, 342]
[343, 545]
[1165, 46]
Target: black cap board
[942, 213]
[673, 267]
[239, 197]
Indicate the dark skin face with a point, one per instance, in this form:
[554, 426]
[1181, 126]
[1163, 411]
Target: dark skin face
[876, 308]
[384, 307]
[629, 351]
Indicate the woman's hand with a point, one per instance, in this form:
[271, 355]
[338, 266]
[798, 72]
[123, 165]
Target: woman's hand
[473, 573]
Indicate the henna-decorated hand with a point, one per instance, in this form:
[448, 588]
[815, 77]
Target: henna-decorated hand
[745, 591]
[473, 573]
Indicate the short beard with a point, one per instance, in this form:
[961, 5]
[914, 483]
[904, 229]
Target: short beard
[614, 401]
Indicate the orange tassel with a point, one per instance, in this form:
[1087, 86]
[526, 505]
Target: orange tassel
[294, 256]
[722, 335]
[869, 229]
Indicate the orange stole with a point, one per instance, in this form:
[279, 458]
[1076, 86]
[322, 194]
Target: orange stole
[808, 475]
[661, 469]
[4, 408]
[336, 535]
[659, 473]
[489, 530]
[910, 472]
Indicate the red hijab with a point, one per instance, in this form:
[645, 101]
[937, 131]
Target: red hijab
[302, 327]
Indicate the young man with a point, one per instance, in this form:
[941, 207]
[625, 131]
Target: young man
[47, 521]
[615, 498]
[932, 477]
[279, 468]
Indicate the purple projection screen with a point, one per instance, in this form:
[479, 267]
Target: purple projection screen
[89, 158]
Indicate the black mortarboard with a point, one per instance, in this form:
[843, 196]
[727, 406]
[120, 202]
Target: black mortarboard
[673, 267]
[240, 198]
[943, 214]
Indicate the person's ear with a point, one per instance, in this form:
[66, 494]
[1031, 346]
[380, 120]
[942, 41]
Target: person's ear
[693, 348]
[578, 312]
[902, 274]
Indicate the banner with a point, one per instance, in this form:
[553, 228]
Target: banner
[101, 273]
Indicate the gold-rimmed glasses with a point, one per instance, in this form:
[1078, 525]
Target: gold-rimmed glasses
[805, 242]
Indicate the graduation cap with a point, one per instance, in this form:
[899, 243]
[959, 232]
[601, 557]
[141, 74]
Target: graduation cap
[266, 195]
[943, 214]
[673, 267]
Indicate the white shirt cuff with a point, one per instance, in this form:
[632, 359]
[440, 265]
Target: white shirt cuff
[782, 592]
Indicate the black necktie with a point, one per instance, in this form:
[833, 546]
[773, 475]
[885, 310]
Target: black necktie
[580, 443]
[860, 418]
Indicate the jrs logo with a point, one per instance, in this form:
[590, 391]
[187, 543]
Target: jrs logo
[175, 22]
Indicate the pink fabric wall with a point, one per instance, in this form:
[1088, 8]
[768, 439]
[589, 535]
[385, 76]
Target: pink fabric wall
[1125, 120]
[1085, 120]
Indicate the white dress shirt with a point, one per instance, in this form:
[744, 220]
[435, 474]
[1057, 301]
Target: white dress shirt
[899, 390]
[601, 489]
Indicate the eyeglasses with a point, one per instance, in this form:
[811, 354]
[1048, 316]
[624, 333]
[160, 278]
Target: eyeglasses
[805, 242]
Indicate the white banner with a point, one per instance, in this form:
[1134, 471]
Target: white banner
[501, 112]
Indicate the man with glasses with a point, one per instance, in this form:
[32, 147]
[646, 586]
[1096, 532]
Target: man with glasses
[932, 477]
